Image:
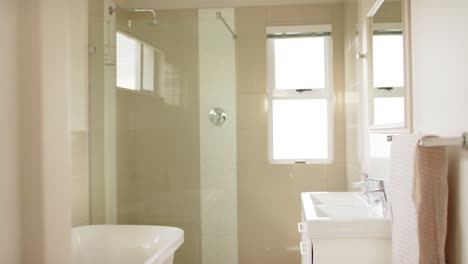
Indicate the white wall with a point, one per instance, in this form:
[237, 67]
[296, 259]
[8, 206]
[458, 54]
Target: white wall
[440, 91]
[9, 227]
[45, 76]
[36, 77]
[218, 155]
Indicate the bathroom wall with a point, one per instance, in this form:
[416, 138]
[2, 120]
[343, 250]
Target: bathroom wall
[38, 67]
[78, 122]
[439, 99]
[353, 101]
[46, 68]
[269, 195]
[80, 178]
[96, 112]
[389, 12]
[218, 156]
[109, 102]
[158, 134]
[9, 192]
[102, 118]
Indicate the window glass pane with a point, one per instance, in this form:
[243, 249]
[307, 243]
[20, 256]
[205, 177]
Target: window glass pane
[148, 68]
[300, 63]
[389, 110]
[388, 61]
[300, 129]
[128, 62]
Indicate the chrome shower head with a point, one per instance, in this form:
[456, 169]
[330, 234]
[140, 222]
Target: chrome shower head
[155, 21]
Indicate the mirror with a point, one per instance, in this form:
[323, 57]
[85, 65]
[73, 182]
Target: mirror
[388, 79]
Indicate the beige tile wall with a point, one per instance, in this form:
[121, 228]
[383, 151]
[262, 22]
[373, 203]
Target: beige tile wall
[158, 148]
[269, 195]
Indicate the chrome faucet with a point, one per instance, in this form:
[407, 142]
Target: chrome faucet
[374, 189]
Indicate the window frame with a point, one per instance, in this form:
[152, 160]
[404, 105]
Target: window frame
[157, 66]
[291, 94]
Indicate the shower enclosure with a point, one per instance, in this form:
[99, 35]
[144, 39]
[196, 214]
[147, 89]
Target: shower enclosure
[157, 155]
[181, 121]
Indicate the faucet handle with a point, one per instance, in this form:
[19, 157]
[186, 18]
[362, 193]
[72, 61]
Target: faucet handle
[358, 184]
[365, 176]
[369, 184]
[362, 184]
[376, 184]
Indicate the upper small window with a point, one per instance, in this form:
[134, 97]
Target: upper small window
[136, 64]
[128, 62]
[299, 80]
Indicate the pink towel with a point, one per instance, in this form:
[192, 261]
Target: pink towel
[419, 195]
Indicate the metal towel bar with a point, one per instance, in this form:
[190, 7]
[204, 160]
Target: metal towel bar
[442, 141]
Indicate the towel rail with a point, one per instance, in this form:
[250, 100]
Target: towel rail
[442, 141]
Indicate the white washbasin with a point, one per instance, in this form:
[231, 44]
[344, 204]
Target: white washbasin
[343, 215]
[326, 212]
[336, 198]
[123, 244]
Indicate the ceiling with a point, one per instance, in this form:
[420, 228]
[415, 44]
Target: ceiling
[174, 4]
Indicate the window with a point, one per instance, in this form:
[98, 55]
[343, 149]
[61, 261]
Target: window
[136, 65]
[128, 62]
[299, 81]
[388, 74]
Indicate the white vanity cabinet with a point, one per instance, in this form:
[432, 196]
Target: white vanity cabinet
[341, 227]
[305, 246]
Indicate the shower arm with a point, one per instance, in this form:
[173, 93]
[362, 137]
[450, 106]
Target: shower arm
[113, 10]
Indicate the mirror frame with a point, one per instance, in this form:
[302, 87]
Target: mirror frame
[406, 28]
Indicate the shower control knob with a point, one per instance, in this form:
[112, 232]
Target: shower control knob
[217, 116]
[361, 56]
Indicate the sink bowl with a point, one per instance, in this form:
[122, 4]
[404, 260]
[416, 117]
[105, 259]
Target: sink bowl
[326, 213]
[343, 215]
[336, 198]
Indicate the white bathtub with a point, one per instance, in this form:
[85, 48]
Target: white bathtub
[120, 244]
